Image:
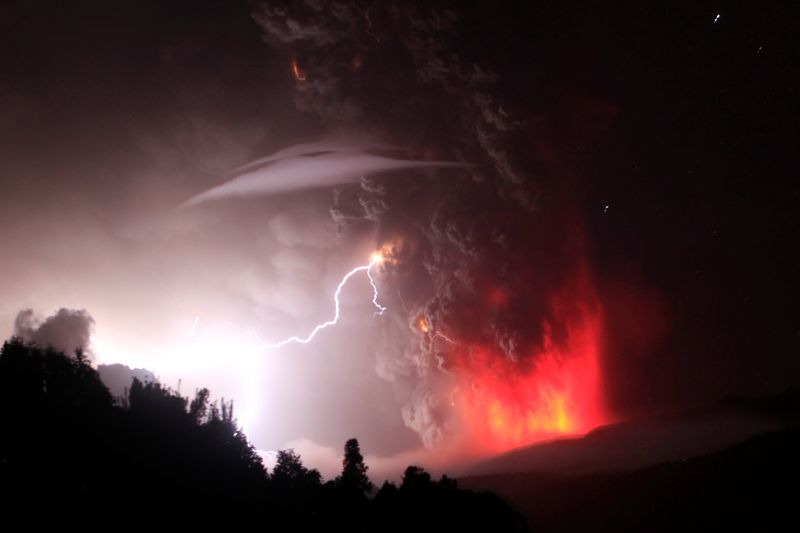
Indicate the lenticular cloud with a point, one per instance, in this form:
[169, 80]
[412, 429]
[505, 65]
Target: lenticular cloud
[308, 166]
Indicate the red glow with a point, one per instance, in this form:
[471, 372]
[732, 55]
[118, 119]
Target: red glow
[498, 297]
[298, 74]
[506, 403]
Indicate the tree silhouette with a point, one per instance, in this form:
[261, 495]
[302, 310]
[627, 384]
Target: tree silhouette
[290, 472]
[199, 406]
[415, 478]
[354, 472]
[64, 442]
[441, 506]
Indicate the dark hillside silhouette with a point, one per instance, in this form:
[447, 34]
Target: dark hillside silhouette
[443, 506]
[71, 455]
[753, 486]
[65, 442]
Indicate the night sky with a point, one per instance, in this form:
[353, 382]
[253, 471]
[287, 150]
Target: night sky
[586, 212]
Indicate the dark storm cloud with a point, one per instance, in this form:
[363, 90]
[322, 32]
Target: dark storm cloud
[312, 25]
[401, 71]
[67, 330]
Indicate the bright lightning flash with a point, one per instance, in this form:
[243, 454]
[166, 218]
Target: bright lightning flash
[203, 348]
[375, 259]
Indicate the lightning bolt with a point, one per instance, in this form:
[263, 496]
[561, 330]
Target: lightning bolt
[381, 309]
[376, 259]
[249, 386]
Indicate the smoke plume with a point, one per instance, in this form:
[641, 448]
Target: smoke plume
[495, 335]
[67, 330]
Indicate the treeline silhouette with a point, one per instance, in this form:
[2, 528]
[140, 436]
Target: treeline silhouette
[71, 455]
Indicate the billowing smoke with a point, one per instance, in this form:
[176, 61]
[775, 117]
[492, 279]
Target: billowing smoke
[493, 339]
[67, 330]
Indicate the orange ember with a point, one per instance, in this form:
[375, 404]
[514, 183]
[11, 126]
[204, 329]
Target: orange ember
[299, 75]
[386, 254]
[423, 325]
[506, 403]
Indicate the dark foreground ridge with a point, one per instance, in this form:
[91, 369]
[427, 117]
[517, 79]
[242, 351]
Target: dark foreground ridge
[639, 443]
[752, 486]
[72, 455]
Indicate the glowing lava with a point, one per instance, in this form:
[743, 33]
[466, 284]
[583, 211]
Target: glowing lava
[504, 403]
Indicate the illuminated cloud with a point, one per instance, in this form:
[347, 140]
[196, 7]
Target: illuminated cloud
[308, 166]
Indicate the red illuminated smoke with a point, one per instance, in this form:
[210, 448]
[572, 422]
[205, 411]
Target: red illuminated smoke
[556, 390]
